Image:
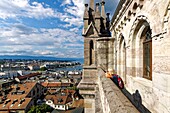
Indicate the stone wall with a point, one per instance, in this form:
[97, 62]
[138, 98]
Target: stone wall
[129, 23]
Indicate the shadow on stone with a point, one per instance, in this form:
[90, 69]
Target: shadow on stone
[136, 100]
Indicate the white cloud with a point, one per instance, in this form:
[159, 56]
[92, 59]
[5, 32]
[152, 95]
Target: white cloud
[22, 8]
[73, 14]
[23, 40]
[53, 42]
[66, 2]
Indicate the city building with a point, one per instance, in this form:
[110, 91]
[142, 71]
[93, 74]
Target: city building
[24, 77]
[5, 86]
[62, 101]
[21, 97]
[137, 50]
[34, 67]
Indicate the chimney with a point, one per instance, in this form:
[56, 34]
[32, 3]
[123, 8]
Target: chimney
[97, 17]
[103, 14]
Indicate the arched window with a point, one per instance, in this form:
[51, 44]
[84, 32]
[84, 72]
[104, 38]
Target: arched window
[122, 58]
[147, 55]
[91, 52]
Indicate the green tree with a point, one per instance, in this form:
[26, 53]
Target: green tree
[40, 109]
[43, 69]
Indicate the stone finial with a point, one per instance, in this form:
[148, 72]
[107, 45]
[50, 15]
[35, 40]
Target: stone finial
[97, 17]
[97, 12]
[108, 19]
[97, 7]
[103, 14]
[103, 2]
[86, 5]
[86, 15]
[86, 18]
[92, 5]
[108, 22]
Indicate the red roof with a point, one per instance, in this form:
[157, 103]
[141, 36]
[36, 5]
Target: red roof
[28, 76]
[51, 84]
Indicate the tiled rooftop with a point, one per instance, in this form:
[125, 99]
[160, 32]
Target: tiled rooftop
[13, 101]
[59, 99]
[51, 84]
[28, 76]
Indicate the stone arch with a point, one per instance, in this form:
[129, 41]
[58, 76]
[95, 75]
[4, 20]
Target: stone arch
[121, 57]
[136, 38]
[136, 24]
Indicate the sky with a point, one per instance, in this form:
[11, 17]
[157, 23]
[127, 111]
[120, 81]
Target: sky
[44, 27]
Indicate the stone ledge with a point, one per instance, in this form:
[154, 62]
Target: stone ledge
[112, 99]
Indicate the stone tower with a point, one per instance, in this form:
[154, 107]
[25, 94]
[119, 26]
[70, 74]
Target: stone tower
[96, 25]
[95, 31]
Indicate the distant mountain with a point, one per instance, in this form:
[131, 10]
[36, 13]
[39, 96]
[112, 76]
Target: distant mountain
[15, 57]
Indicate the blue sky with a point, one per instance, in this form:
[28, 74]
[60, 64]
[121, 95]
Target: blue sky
[43, 27]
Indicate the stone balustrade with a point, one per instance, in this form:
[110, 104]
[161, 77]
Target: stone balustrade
[111, 97]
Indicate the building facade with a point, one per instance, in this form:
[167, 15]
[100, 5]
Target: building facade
[141, 32]
[138, 50]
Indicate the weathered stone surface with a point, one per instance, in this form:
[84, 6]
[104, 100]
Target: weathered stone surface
[112, 98]
[124, 52]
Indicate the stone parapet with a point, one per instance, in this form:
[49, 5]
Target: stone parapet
[112, 99]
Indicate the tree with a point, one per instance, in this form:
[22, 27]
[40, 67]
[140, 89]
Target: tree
[43, 69]
[40, 109]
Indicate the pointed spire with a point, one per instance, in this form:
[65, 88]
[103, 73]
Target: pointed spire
[92, 5]
[103, 14]
[91, 11]
[86, 18]
[86, 14]
[97, 17]
[97, 12]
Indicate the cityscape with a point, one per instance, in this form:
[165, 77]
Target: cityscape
[45, 84]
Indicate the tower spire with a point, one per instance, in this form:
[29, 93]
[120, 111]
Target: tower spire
[97, 17]
[91, 11]
[92, 5]
[103, 14]
[86, 18]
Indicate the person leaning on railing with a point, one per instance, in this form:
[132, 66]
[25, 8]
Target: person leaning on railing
[115, 78]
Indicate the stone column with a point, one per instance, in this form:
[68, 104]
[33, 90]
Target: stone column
[111, 54]
[103, 54]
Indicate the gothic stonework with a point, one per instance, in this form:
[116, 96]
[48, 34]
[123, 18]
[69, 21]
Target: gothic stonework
[96, 25]
[144, 19]
[138, 51]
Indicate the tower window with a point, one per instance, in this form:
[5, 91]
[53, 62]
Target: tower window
[147, 56]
